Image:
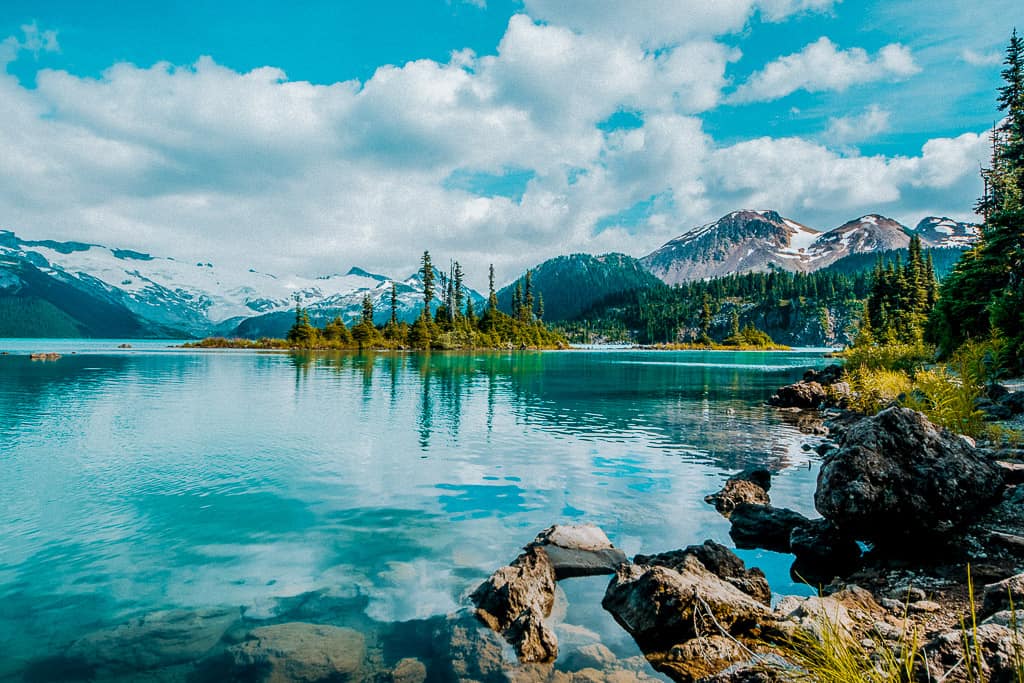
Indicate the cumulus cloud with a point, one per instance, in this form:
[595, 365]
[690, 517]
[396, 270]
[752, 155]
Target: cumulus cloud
[820, 66]
[33, 40]
[252, 169]
[843, 130]
[658, 23]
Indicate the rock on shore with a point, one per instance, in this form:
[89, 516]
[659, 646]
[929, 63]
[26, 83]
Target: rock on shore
[897, 478]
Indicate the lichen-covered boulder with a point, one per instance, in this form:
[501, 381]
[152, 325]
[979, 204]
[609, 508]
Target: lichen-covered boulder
[896, 477]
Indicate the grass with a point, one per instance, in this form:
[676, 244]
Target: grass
[944, 392]
[829, 653]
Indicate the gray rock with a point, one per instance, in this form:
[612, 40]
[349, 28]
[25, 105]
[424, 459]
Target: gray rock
[1014, 401]
[998, 646]
[579, 550]
[829, 375]
[898, 479]
[662, 607]
[764, 526]
[721, 562]
[997, 597]
[298, 652]
[804, 395]
[156, 640]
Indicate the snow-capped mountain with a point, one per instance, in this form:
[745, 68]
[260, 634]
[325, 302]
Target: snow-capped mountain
[946, 232]
[741, 241]
[863, 235]
[757, 241]
[180, 297]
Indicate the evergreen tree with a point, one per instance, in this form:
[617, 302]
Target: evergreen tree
[337, 332]
[458, 295]
[517, 300]
[540, 305]
[427, 272]
[526, 312]
[492, 296]
[394, 304]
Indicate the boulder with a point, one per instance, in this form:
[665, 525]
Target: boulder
[827, 376]
[298, 652]
[409, 670]
[822, 552]
[998, 596]
[464, 651]
[997, 644]
[804, 395]
[735, 492]
[1014, 401]
[523, 594]
[721, 562]
[579, 550]
[764, 526]
[896, 477]
[156, 640]
[662, 607]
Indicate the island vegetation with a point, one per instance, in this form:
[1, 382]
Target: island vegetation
[455, 324]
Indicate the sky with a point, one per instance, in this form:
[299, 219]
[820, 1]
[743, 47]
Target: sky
[307, 139]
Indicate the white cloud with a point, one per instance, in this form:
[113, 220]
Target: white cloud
[843, 130]
[659, 23]
[820, 66]
[975, 58]
[255, 170]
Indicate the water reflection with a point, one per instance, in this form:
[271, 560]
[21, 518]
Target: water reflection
[135, 482]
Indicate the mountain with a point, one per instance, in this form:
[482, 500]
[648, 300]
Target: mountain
[124, 293]
[741, 241]
[571, 284]
[757, 241]
[946, 233]
[864, 235]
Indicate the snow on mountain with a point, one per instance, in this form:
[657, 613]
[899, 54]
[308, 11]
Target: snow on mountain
[197, 297]
[946, 232]
[741, 241]
[756, 241]
[862, 235]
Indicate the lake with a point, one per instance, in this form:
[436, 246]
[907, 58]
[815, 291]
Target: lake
[388, 485]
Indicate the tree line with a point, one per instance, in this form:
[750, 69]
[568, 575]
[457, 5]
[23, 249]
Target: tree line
[453, 323]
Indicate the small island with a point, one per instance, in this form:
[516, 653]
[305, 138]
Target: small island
[454, 324]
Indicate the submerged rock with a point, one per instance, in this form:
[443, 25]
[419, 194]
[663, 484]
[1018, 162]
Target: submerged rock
[721, 562]
[298, 652]
[764, 526]
[579, 550]
[897, 478]
[156, 640]
[465, 651]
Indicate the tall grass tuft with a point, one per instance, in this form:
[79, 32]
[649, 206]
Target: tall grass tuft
[831, 654]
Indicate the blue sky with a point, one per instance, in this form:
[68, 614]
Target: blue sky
[506, 132]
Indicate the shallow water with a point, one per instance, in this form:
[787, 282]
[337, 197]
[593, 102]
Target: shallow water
[154, 478]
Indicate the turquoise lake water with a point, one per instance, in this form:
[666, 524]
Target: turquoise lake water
[152, 478]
